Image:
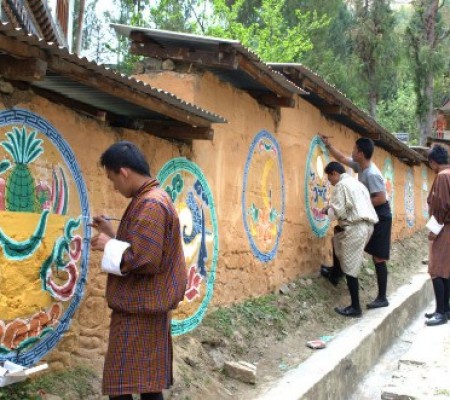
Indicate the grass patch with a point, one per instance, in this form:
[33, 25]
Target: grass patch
[76, 381]
[258, 312]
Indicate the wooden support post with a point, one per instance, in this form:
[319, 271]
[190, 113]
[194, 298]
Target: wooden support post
[28, 70]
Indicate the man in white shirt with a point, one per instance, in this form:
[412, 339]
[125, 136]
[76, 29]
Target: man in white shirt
[351, 205]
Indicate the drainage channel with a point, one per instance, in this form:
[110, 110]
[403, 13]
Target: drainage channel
[371, 386]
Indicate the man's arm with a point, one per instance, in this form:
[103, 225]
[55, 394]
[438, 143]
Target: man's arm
[339, 156]
[378, 198]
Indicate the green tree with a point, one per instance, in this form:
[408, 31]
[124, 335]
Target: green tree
[375, 45]
[180, 16]
[427, 32]
[397, 114]
[130, 13]
[270, 37]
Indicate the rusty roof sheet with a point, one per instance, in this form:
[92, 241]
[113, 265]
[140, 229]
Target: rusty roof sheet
[196, 42]
[81, 92]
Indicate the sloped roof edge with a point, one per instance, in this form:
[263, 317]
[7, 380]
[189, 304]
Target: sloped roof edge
[53, 49]
[386, 138]
[207, 42]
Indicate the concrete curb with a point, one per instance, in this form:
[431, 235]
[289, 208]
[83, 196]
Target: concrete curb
[334, 372]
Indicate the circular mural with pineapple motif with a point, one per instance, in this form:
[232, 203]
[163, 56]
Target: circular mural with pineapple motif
[44, 216]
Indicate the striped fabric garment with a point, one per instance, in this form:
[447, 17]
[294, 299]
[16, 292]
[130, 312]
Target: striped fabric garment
[139, 357]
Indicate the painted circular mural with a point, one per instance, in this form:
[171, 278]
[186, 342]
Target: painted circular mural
[317, 187]
[263, 196]
[424, 191]
[388, 174]
[44, 236]
[409, 199]
[187, 186]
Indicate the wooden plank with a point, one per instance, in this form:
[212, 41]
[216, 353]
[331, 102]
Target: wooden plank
[22, 69]
[332, 109]
[182, 133]
[19, 49]
[272, 100]
[223, 59]
[263, 78]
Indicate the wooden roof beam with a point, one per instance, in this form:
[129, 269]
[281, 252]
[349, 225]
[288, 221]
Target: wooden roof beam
[272, 100]
[183, 133]
[223, 59]
[95, 80]
[28, 70]
[264, 78]
[332, 109]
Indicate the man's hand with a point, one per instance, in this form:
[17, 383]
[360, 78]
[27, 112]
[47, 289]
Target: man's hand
[103, 225]
[432, 236]
[98, 242]
[325, 210]
[325, 140]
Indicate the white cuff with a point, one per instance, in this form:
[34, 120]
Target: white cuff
[434, 226]
[112, 256]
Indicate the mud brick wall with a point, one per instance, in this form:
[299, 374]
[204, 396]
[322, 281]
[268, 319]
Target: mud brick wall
[250, 184]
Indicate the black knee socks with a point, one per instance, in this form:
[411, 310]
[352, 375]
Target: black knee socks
[382, 274]
[353, 288]
[438, 287]
[122, 397]
[446, 295]
[336, 271]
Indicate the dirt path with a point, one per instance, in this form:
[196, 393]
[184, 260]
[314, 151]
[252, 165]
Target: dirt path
[271, 332]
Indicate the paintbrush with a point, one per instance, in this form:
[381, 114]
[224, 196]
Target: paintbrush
[105, 218]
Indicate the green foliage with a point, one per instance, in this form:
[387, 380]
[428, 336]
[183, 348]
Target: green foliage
[398, 113]
[181, 16]
[376, 48]
[270, 37]
[427, 35]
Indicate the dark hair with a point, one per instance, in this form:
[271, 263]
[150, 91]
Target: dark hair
[125, 155]
[334, 166]
[366, 146]
[438, 154]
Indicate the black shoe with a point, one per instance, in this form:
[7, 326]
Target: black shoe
[431, 314]
[437, 319]
[378, 303]
[326, 272]
[348, 311]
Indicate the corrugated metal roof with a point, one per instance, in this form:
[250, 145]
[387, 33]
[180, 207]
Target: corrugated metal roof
[104, 101]
[387, 139]
[237, 78]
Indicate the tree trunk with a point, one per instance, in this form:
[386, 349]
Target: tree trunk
[426, 120]
[425, 114]
[79, 32]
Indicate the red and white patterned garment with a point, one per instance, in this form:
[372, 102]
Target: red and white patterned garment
[439, 208]
[150, 282]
